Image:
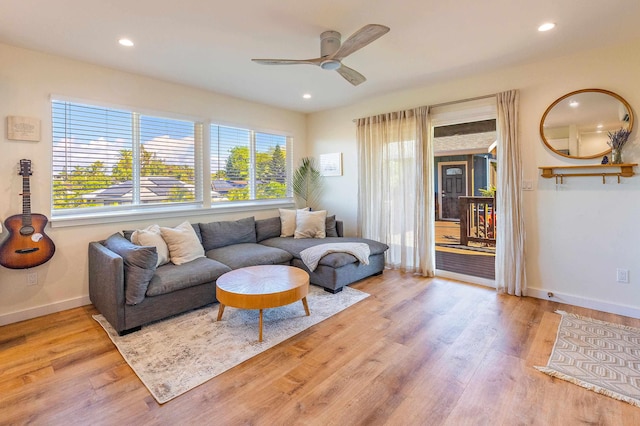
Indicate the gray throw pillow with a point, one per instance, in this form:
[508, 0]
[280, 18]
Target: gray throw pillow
[128, 233]
[222, 234]
[268, 228]
[330, 226]
[139, 266]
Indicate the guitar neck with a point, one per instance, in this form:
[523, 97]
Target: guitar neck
[26, 201]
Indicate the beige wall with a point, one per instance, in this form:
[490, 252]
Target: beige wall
[27, 79]
[577, 233]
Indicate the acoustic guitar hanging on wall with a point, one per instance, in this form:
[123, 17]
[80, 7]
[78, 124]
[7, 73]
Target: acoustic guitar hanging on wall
[27, 245]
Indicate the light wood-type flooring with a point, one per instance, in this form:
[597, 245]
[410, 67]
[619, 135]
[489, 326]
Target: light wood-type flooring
[417, 352]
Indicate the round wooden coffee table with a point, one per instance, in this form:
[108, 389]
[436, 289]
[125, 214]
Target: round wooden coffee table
[262, 287]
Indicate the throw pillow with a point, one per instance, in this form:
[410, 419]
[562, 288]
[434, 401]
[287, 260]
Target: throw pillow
[183, 243]
[151, 236]
[330, 226]
[139, 266]
[288, 221]
[310, 224]
[222, 234]
[268, 228]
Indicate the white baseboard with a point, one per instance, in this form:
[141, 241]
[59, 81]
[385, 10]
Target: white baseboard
[39, 311]
[569, 299]
[583, 302]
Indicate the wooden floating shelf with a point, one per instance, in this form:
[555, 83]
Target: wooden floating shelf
[604, 170]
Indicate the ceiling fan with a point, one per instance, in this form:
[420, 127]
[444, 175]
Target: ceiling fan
[332, 53]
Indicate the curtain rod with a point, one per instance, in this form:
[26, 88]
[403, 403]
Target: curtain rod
[463, 100]
[355, 120]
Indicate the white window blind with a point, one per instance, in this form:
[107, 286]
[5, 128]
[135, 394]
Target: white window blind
[117, 159]
[248, 165]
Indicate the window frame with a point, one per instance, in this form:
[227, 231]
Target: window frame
[202, 178]
[252, 168]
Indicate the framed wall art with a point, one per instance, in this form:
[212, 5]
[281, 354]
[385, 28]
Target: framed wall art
[23, 129]
[331, 164]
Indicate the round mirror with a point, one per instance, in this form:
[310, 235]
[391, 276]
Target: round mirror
[576, 125]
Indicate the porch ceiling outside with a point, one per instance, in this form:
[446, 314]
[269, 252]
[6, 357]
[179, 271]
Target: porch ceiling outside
[479, 143]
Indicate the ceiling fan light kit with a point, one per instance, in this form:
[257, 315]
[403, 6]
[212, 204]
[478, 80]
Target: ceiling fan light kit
[332, 52]
[330, 64]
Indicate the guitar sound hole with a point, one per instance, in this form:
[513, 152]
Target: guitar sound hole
[27, 230]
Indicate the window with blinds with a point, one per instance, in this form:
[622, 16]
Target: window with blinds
[113, 158]
[248, 165]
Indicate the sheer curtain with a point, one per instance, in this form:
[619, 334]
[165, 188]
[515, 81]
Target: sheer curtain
[510, 262]
[396, 187]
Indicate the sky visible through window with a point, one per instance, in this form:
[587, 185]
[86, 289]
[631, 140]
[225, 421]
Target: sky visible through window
[83, 134]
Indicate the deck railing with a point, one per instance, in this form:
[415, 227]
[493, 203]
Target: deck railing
[477, 220]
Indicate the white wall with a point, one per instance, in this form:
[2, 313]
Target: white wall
[27, 79]
[578, 233]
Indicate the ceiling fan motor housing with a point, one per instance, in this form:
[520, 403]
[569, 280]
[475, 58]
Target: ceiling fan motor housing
[329, 43]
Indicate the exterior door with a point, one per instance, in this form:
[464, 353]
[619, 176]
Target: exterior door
[454, 185]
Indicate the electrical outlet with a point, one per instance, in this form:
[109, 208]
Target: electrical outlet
[622, 275]
[32, 278]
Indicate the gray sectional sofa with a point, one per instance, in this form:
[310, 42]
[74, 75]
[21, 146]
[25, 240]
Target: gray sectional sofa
[129, 290]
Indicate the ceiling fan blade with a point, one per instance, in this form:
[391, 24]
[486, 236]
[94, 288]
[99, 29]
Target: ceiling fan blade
[315, 61]
[351, 75]
[360, 39]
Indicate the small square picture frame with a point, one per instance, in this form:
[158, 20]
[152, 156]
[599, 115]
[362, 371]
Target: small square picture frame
[331, 164]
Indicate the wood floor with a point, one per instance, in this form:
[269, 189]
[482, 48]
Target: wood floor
[417, 352]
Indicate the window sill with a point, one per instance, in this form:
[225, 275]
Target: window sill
[64, 221]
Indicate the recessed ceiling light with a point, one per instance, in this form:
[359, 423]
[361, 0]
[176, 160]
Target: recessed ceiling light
[546, 26]
[574, 104]
[306, 96]
[125, 42]
[600, 126]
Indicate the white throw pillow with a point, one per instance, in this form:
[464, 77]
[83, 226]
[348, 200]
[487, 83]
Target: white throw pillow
[310, 224]
[151, 236]
[184, 245]
[288, 221]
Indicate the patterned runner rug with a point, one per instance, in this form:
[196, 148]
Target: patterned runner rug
[597, 355]
[175, 355]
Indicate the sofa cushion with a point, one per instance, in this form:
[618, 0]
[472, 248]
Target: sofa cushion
[196, 228]
[310, 224]
[288, 221]
[170, 277]
[330, 227]
[221, 234]
[295, 246]
[183, 243]
[240, 255]
[151, 236]
[139, 266]
[267, 228]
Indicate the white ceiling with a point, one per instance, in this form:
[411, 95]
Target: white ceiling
[209, 43]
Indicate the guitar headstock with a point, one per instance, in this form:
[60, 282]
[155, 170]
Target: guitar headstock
[24, 169]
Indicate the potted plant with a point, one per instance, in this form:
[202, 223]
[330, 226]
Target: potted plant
[616, 141]
[307, 183]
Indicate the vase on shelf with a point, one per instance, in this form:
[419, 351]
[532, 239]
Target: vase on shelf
[616, 156]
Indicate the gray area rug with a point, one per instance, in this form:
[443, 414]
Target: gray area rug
[175, 355]
[597, 355]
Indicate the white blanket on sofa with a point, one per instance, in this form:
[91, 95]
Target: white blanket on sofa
[312, 255]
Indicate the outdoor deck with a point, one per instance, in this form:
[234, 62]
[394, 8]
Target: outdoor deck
[475, 259]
